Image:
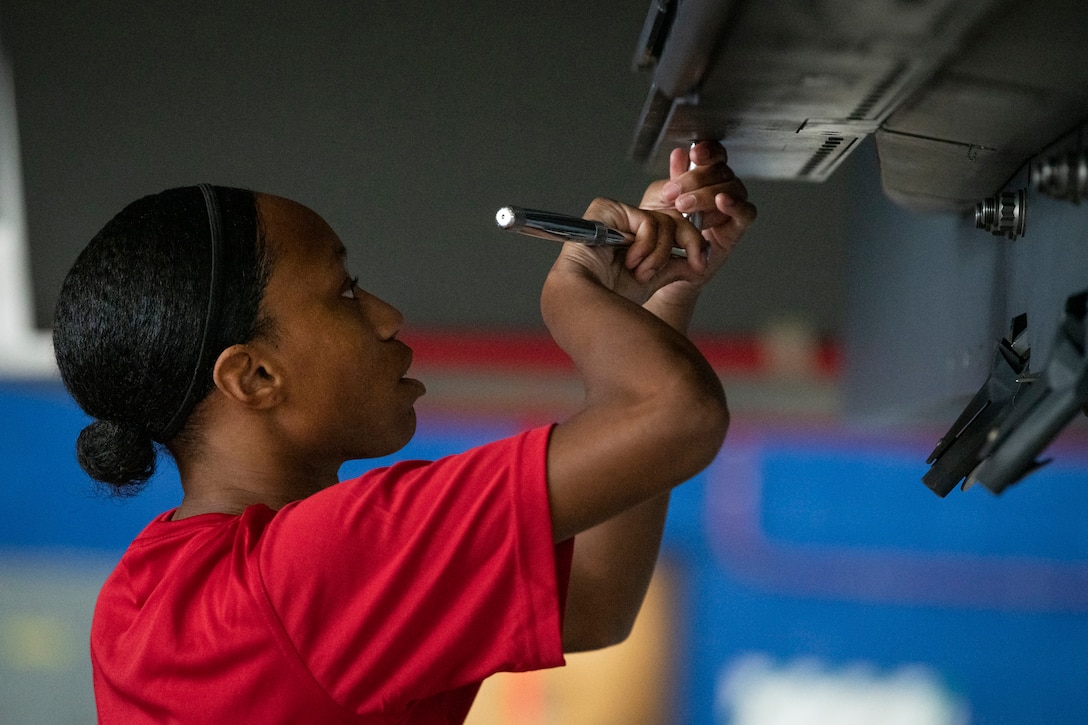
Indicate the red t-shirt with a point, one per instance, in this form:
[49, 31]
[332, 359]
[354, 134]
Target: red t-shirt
[383, 599]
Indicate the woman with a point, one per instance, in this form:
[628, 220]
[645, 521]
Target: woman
[224, 326]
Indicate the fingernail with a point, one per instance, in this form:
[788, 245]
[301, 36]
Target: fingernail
[686, 201]
[670, 190]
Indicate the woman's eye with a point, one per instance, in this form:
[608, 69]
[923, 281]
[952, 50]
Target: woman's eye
[349, 292]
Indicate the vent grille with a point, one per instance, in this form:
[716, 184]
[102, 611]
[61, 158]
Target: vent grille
[829, 146]
[875, 96]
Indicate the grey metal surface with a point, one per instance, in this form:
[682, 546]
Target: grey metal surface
[958, 94]
[1018, 84]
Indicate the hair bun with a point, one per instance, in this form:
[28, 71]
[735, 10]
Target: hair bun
[121, 455]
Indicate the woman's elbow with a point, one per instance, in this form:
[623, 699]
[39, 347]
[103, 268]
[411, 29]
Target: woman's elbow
[714, 413]
[701, 420]
[603, 634]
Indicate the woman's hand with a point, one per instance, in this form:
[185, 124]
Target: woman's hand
[638, 271]
[700, 181]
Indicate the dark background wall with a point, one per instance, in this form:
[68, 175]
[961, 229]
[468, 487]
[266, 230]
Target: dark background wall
[405, 124]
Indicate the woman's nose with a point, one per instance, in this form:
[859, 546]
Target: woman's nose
[386, 318]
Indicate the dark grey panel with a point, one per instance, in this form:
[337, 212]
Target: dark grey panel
[1020, 82]
[793, 85]
[959, 94]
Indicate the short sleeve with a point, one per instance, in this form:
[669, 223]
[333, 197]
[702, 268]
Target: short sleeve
[423, 577]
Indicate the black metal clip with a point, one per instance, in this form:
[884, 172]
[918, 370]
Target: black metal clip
[1015, 415]
[1046, 407]
[959, 451]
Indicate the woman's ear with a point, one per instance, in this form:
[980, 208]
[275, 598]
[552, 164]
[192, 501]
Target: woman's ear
[247, 376]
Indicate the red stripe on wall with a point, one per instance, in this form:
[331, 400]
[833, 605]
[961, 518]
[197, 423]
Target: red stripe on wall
[532, 350]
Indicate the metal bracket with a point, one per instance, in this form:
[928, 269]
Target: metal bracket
[1047, 406]
[958, 452]
[1016, 414]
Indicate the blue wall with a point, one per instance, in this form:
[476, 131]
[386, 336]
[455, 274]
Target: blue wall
[796, 544]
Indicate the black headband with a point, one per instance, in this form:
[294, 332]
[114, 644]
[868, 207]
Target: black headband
[215, 222]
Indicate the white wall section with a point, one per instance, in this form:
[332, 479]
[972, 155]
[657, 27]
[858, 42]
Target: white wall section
[25, 351]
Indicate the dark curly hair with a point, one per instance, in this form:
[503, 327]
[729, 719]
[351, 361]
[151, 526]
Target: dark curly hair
[130, 320]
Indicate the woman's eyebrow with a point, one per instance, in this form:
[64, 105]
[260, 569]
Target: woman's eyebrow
[339, 256]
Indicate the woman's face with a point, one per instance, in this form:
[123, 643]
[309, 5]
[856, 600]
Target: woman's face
[343, 368]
